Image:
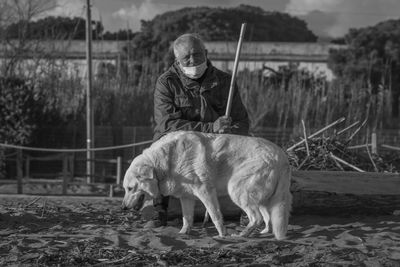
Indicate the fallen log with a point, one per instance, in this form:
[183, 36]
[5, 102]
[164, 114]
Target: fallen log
[330, 193]
[336, 192]
[314, 192]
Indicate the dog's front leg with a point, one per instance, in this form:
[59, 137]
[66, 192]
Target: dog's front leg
[210, 200]
[187, 214]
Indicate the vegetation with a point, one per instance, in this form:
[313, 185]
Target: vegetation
[215, 24]
[367, 85]
[373, 56]
[19, 107]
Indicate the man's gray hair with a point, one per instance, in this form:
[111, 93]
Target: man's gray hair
[184, 38]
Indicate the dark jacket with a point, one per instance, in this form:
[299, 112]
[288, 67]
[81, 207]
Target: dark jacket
[193, 105]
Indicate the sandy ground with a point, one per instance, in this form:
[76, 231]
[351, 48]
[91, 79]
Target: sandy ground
[73, 231]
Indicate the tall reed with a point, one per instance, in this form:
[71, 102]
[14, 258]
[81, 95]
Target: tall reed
[284, 101]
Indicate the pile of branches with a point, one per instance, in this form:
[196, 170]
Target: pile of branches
[333, 152]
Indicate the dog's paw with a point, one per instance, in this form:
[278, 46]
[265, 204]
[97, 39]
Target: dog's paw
[219, 237]
[265, 231]
[236, 235]
[184, 231]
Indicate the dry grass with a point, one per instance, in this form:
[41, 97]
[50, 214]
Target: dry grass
[284, 103]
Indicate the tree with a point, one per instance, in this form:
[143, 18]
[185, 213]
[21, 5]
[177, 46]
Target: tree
[54, 28]
[373, 55]
[216, 24]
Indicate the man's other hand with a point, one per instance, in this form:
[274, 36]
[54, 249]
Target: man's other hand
[222, 125]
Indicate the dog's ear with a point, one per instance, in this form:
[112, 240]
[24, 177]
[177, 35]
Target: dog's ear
[148, 181]
[150, 186]
[146, 172]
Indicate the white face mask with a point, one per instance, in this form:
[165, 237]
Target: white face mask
[195, 72]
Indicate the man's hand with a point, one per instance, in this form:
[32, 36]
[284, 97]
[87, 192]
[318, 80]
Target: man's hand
[222, 125]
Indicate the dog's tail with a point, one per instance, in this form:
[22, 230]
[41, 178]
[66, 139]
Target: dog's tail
[280, 205]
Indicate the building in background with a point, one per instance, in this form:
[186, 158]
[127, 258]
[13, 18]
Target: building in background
[70, 56]
[271, 56]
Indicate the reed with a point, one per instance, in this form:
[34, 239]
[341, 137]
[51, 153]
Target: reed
[283, 103]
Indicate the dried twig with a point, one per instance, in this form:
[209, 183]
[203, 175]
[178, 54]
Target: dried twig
[347, 128]
[391, 147]
[358, 146]
[305, 138]
[345, 162]
[302, 163]
[44, 208]
[357, 130]
[372, 161]
[317, 133]
[32, 202]
[338, 164]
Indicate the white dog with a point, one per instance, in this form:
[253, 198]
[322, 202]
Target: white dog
[254, 172]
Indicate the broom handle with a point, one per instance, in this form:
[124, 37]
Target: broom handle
[232, 87]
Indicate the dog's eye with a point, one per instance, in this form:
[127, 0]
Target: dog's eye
[132, 188]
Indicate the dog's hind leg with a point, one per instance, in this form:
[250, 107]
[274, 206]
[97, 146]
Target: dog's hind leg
[187, 214]
[255, 220]
[265, 214]
[280, 208]
[210, 200]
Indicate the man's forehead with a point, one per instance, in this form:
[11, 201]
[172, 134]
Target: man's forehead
[189, 46]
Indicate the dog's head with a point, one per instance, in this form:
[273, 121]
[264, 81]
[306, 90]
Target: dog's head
[139, 182]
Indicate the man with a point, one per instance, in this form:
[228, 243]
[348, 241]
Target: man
[192, 95]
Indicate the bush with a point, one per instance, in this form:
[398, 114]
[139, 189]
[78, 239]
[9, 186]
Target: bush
[19, 104]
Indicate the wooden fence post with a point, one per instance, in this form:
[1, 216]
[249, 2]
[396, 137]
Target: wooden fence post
[134, 141]
[119, 169]
[374, 143]
[27, 166]
[111, 192]
[65, 174]
[20, 173]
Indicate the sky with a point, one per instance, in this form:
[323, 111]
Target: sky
[331, 18]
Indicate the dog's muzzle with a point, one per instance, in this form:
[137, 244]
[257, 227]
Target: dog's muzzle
[140, 203]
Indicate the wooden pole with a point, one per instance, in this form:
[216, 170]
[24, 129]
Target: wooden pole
[232, 86]
[89, 112]
[305, 137]
[27, 167]
[19, 171]
[119, 167]
[65, 174]
[111, 191]
[374, 147]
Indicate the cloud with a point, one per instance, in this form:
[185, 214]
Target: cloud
[342, 14]
[68, 8]
[303, 7]
[146, 10]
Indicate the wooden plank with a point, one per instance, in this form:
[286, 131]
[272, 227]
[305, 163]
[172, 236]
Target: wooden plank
[367, 183]
[330, 192]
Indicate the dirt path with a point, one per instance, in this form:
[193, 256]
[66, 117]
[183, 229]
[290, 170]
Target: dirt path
[51, 231]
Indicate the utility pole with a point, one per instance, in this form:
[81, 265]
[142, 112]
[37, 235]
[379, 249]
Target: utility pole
[89, 111]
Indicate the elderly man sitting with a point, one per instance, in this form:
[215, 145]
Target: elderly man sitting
[192, 96]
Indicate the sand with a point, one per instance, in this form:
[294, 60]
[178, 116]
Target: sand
[75, 231]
